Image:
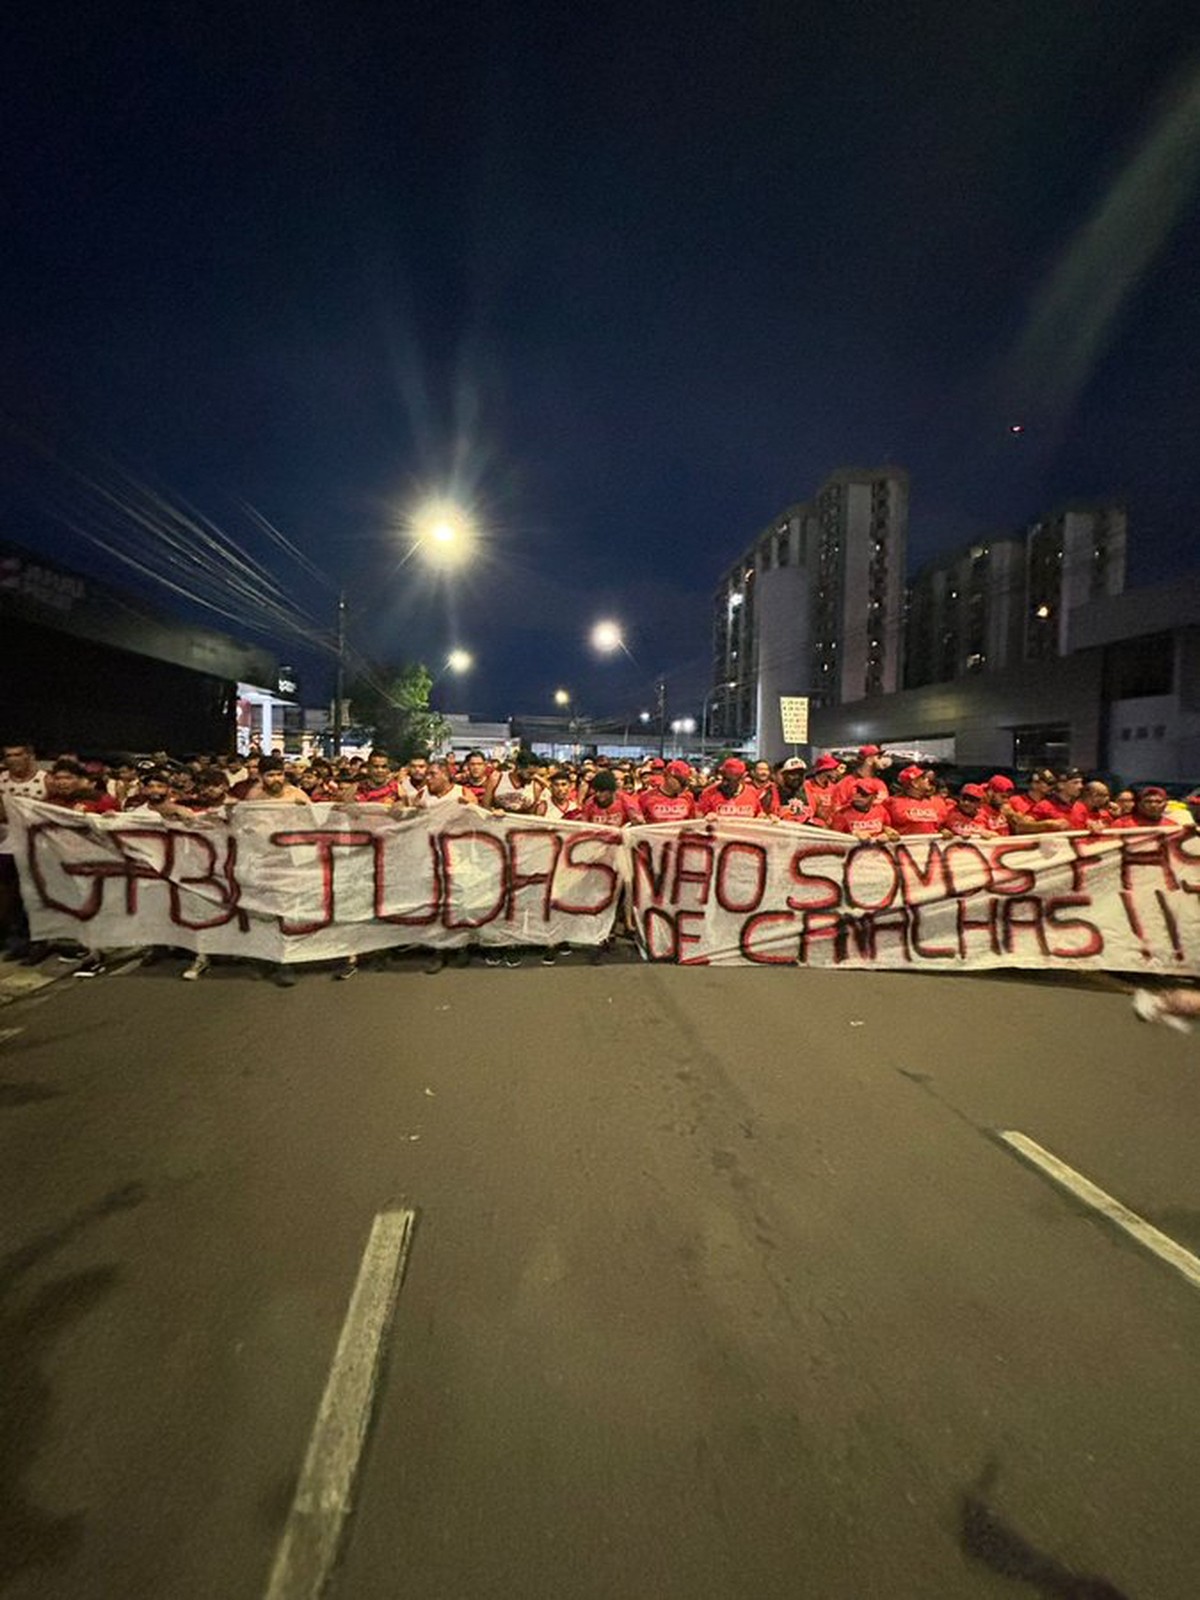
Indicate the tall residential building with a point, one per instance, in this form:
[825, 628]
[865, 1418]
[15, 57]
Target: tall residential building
[813, 607]
[1072, 556]
[998, 602]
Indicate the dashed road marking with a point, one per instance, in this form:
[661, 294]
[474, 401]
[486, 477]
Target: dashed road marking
[310, 1540]
[1138, 1229]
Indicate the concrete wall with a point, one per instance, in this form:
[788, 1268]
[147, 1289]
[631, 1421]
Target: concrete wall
[784, 651]
[980, 713]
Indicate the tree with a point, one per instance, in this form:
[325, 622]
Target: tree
[395, 702]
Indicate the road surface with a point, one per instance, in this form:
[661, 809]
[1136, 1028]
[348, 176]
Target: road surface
[722, 1285]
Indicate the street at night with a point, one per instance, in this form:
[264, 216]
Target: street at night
[722, 1284]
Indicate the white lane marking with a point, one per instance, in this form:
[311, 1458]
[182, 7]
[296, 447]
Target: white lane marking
[1161, 1244]
[310, 1540]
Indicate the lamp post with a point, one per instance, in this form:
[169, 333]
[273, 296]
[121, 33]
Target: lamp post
[443, 533]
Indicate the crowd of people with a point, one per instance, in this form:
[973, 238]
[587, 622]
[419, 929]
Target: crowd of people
[858, 795]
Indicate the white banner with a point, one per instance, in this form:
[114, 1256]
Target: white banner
[778, 895]
[315, 883]
[311, 883]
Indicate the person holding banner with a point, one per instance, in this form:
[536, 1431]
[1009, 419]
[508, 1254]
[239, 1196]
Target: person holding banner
[866, 817]
[968, 817]
[916, 809]
[673, 801]
[1149, 810]
[731, 795]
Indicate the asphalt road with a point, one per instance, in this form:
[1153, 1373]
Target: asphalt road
[721, 1285]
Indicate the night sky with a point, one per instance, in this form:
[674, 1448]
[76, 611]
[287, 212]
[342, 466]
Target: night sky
[629, 277]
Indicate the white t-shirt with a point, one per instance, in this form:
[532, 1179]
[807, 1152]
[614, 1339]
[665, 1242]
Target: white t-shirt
[31, 788]
[512, 796]
[434, 802]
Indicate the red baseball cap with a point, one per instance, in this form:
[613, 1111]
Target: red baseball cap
[869, 750]
[911, 774]
[865, 788]
[679, 769]
[1153, 790]
[974, 791]
[826, 763]
[1001, 784]
[733, 768]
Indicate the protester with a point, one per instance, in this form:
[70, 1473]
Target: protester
[820, 789]
[1149, 810]
[674, 801]
[864, 769]
[608, 805]
[517, 790]
[558, 802]
[273, 786]
[794, 804]
[1062, 805]
[20, 778]
[762, 781]
[474, 776]
[379, 786]
[865, 816]
[916, 809]
[969, 817]
[732, 795]
[1097, 807]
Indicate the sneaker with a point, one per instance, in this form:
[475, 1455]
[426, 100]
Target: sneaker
[90, 967]
[35, 955]
[549, 956]
[493, 959]
[1151, 1009]
[513, 958]
[197, 969]
[347, 969]
[284, 977]
[434, 962]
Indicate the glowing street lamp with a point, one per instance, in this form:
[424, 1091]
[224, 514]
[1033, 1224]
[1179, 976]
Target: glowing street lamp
[562, 697]
[443, 532]
[607, 637]
[460, 661]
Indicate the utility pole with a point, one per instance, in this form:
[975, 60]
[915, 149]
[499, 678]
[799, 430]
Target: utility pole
[661, 693]
[339, 681]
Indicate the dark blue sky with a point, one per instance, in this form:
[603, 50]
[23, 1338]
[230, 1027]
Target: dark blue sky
[632, 276]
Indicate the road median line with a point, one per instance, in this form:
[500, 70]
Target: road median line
[1142, 1232]
[322, 1501]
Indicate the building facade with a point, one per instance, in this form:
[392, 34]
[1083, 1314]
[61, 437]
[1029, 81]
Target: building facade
[813, 607]
[1000, 601]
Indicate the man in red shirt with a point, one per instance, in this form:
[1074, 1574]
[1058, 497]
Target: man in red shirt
[474, 776]
[1149, 808]
[67, 785]
[916, 809]
[1062, 806]
[608, 805]
[652, 772]
[1041, 782]
[866, 817]
[999, 790]
[969, 816]
[820, 789]
[379, 786]
[864, 770]
[1097, 803]
[731, 795]
[674, 802]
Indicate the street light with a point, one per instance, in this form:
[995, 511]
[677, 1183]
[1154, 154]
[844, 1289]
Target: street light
[562, 697]
[460, 661]
[442, 532]
[607, 637]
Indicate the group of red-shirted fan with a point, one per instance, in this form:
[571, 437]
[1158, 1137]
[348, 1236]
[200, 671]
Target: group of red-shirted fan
[857, 796]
